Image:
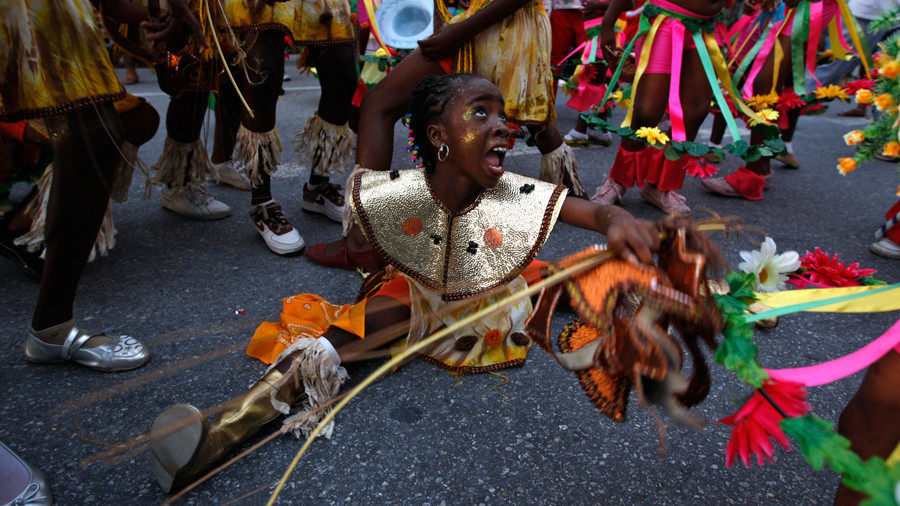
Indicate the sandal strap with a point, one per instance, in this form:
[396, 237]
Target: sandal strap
[74, 341]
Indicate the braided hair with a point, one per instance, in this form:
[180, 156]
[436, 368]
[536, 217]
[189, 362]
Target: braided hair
[427, 103]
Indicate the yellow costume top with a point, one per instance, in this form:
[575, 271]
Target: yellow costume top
[514, 54]
[52, 59]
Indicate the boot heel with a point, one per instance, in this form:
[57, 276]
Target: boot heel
[171, 452]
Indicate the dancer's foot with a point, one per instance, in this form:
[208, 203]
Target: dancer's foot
[789, 160]
[609, 193]
[326, 198]
[669, 201]
[274, 228]
[227, 173]
[886, 248]
[194, 201]
[743, 183]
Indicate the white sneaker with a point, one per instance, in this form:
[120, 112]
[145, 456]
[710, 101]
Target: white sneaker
[275, 229]
[609, 193]
[886, 248]
[194, 201]
[227, 173]
[576, 138]
[326, 198]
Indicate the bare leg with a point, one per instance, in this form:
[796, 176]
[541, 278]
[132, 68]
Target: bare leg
[763, 86]
[228, 119]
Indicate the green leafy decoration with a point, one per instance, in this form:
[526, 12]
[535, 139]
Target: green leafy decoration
[820, 445]
[672, 153]
[870, 281]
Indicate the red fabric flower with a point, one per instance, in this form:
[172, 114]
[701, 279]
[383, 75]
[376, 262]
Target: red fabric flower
[789, 100]
[826, 272]
[698, 167]
[757, 421]
[860, 84]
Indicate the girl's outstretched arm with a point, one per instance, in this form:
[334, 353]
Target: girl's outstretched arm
[446, 41]
[608, 27]
[633, 240]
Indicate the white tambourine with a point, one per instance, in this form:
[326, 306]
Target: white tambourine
[403, 23]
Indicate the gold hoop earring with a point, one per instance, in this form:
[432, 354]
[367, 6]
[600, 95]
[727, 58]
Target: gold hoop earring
[443, 150]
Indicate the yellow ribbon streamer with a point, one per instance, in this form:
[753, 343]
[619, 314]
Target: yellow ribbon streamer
[888, 300]
[847, 17]
[718, 63]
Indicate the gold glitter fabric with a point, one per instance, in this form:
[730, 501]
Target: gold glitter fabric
[322, 22]
[494, 342]
[457, 255]
[514, 54]
[52, 59]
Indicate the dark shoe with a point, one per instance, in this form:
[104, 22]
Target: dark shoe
[31, 264]
[789, 160]
[21, 483]
[347, 259]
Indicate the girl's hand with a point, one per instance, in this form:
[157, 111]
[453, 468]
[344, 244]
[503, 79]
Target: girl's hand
[173, 23]
[633, 240]
[443, 43]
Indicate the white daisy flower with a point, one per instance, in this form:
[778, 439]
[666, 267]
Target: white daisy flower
[770, 269]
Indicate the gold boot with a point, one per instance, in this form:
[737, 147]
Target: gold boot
[189, 446]
[192, 445]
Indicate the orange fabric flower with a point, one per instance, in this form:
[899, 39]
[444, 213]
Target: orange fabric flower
[493, 337]
[846, 165]
[891, 69]
[884, 101]
[855, 137]
[891, 149]
[864, 96]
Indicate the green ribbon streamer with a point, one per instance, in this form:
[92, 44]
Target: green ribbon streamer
[748, 60]
[798, 41]
[643, 27]
[714, 84]
[796, 308]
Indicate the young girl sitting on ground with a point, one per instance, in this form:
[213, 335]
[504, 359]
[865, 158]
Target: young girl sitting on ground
[458, 235]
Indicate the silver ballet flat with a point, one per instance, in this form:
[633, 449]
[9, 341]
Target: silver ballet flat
[21, 483]
[120, 354]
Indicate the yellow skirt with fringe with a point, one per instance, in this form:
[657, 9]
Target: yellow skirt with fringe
[52, 59]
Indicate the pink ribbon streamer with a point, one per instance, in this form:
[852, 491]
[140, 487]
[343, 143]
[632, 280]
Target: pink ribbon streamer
[587, 25]
[840, 368]
[816, 12]
[676, 114]
[760, 59]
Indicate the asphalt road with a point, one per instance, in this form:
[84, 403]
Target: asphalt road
[195, 291]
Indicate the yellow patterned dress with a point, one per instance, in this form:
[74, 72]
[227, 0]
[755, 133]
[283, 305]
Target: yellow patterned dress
[514, 54]
[52, 59]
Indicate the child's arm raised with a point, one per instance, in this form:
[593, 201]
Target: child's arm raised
[633, 240]
[446, 41]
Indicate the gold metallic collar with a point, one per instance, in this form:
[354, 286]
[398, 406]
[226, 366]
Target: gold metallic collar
[456, 254]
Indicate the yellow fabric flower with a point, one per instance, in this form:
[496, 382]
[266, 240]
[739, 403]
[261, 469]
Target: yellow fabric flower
[616, 96]
[853, 138]
[891, 149]
[884, 101]
[898, 190]
[831, 91]
[846, 165]
[769, 115]
[625, 103]
[652, 135]
[864, 96]
[891, 69]
[763, 101]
